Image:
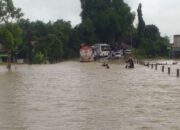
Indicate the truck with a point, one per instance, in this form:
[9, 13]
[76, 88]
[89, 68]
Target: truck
[102, 49]
[86, 53]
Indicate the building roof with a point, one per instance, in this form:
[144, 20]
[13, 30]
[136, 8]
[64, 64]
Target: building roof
[178, 35]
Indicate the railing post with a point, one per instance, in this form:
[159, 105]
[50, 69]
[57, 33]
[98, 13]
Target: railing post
[162, 68]
[177, 72]
[152, 66]
[169, 70]
[156, 66]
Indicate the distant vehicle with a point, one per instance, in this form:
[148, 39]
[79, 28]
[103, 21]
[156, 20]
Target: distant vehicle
[102, 49]
[118, 54]
[86, 53]
[128, 51]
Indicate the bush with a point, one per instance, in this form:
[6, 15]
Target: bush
[39, 58]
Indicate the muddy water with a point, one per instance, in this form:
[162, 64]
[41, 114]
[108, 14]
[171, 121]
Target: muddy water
[86, 96]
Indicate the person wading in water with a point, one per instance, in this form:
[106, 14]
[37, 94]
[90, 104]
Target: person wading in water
[130, 63]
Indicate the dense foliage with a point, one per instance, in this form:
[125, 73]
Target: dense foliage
[150, 43]
[10, 33]
[109, 21]
[51, 40]
[105, 20]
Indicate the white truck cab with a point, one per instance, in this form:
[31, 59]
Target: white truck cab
[102, 49]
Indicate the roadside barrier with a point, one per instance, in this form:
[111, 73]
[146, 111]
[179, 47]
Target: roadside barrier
[163, 68]
[177, 73]
[169, 70]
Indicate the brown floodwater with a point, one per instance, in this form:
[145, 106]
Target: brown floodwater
[87, 96]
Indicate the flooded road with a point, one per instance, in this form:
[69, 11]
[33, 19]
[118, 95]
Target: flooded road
[86, 96]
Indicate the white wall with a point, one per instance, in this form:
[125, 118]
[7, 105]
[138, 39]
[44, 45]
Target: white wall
[177, 41]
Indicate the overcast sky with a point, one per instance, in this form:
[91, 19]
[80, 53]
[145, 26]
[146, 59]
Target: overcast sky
[163, 13]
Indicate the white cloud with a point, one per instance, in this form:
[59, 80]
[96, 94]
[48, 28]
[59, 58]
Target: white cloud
[46, 10]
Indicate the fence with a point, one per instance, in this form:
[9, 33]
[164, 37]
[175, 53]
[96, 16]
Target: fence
[162, 66]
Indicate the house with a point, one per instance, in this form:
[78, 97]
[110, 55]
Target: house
[175, 47]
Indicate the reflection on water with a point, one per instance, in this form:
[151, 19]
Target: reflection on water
[86, 96]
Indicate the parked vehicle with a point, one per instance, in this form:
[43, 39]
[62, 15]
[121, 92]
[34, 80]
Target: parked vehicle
[102, 49]
[86, 53]
[118, 54]
[127, 51]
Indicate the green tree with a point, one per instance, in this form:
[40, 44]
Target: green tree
[154, 48]
[51, 39]
[26, 49]
[62, 30]
[11, 38]
[8, 12]
[87, 31]
[148, 40]
[91, 7]
[141, 23]
[162, 44]
[11, 35]
[75, 40]
[55, 49]
[39, 58]
[111, 19]
[151, 32]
